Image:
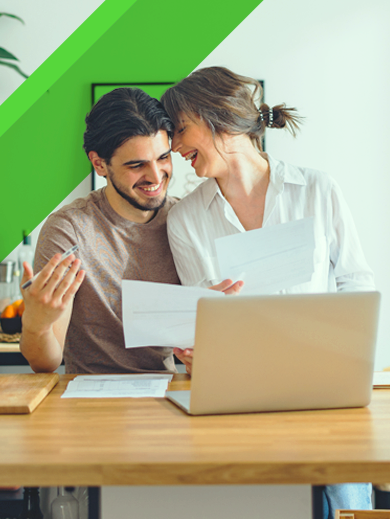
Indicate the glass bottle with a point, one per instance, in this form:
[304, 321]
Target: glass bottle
[26, 252]
[31, 508]
[65, 505]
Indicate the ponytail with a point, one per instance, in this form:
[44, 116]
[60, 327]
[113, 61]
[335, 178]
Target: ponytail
[280, 116]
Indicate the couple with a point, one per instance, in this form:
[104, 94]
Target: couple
[214, 121]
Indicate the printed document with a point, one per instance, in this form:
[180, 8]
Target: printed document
[159, 314]
[381, 380]
[118, 386]
[269, 259]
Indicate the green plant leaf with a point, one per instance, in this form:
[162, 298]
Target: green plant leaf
[12, 16]
[15, 67]
[4, 54]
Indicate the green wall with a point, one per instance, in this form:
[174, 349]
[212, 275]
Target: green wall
[42, 159]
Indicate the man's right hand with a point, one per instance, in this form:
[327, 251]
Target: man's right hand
[48, 308]
[49, 295]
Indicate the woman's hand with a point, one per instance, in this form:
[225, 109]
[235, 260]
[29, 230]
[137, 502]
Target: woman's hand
[228, 287]
[186, 357]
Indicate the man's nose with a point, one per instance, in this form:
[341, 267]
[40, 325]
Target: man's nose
[155, 173]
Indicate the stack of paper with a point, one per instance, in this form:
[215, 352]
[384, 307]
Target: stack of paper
[269, 259]
[118, 386]
[381, 380]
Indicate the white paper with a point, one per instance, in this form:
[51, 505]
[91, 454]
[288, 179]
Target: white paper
[381, 379]
[269, 259]
[159, 314]
[118, 386]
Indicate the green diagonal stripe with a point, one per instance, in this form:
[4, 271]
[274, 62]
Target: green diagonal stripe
[61, 60]
[42, 159]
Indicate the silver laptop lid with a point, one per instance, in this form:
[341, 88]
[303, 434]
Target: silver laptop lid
[269, 353]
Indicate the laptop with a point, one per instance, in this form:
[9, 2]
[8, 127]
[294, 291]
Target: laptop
[282, 353]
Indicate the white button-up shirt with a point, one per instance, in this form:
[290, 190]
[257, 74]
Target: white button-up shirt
[293, 193]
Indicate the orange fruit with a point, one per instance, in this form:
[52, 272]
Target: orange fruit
[17, 303]
[9, 312]
[21, 308]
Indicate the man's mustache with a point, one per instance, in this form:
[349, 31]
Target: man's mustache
[146, 183]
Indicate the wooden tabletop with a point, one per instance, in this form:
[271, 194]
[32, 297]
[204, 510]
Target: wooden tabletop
[94, 442]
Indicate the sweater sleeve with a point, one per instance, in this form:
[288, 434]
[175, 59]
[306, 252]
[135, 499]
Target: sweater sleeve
[57, 235]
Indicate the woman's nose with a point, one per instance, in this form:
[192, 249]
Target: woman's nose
[176, 144]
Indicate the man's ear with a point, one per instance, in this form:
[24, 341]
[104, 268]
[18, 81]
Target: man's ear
[99, 164]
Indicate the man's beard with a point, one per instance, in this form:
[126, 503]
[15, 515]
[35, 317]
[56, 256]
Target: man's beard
[152, 205]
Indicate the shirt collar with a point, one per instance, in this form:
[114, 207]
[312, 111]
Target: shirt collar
[210, 189]
[282, 173]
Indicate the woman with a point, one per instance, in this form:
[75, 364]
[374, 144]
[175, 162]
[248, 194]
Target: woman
[218, 127]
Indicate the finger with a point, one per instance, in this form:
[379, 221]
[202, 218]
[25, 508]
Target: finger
[221, 287]
[179, 353]
[58, 274]
[27, 273]
[66, 282]
[187, 361]
[71, 292]
[234, 289]
[47, 271]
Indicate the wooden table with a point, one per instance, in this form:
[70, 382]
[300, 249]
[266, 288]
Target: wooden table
[99, 442]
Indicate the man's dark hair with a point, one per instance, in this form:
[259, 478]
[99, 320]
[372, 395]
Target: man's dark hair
[120, 115]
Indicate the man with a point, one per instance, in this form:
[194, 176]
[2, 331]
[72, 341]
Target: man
[121, 234]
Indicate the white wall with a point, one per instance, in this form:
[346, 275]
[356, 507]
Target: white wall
[48, 23]
[331, 61]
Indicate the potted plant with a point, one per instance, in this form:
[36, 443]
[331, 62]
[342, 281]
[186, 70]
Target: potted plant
[7, 58]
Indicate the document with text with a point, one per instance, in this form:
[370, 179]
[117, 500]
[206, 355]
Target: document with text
[269, 259]
[159, 314]
[118, 386]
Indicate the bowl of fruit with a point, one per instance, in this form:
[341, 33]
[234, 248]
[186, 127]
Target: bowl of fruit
[11, 317]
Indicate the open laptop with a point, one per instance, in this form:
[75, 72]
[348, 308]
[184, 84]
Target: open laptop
[278, 353]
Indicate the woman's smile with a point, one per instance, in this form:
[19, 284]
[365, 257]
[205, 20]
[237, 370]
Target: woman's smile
[194, 141]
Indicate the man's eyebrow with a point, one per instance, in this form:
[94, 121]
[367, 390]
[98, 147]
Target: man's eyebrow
[141, 161]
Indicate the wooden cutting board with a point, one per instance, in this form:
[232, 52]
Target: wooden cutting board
[22, 393]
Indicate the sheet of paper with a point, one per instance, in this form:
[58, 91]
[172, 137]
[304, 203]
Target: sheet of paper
[381, 379]
[118, 386]
[159, 314]
[269, 259]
